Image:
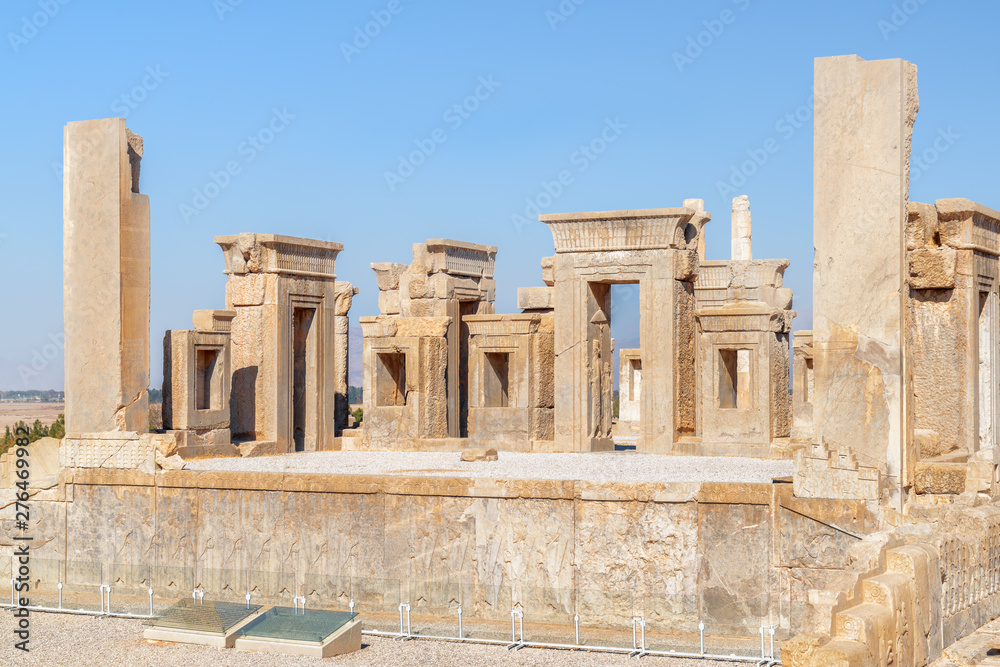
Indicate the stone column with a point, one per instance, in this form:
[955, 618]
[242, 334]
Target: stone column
[345, 292]
[742, 231]
[863, 127]
[105, 279]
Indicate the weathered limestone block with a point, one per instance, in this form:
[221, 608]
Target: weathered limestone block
[927, 443]
[388, 303]
[422, 327]
[735, 559]
[870, 625]
[196, 380]
[863, 128]
[535, 298]
[820, 472]
[939, 477]
[548, 270]
[686, 266]
[213, 320]
[479, 455]
[405, 380]
[387, 275]
[819, 533]
[105, 279]
[510, 380]
[119, 449]
[44, 464]
[980, 475]
[173, 462]
[933, 268]
[919, 563]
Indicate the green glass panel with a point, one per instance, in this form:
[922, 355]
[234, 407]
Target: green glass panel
[314, 625]
[203, 617]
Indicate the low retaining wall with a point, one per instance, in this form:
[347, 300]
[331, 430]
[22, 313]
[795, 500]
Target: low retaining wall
[734, 556]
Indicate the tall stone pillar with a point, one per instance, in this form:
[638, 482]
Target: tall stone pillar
[742, 230]
[105, 279]
[863, 127]
[344, 292]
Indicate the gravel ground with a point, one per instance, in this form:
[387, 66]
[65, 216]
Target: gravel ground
[596, 467]
[68, 640]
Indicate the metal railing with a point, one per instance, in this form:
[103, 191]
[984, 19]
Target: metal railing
[638, 649]
[104, 591]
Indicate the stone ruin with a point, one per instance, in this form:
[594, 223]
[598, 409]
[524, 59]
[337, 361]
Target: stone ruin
[888, 533]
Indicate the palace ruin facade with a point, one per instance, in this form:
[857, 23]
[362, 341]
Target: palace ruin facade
[882, 548]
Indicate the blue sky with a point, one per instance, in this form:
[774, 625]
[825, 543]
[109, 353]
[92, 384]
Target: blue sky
[692, 90]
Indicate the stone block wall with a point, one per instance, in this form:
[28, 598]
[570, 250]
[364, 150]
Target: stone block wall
[511, 381]
[735, 556]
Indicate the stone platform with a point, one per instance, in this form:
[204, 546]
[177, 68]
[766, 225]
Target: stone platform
[606, 537]
[588, 467]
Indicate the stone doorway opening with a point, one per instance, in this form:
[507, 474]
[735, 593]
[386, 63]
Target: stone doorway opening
[987, 371]
[304, 372]
[465, 309]
[627, 360]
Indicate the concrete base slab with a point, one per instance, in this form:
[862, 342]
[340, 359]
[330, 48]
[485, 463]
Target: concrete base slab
[346, 639]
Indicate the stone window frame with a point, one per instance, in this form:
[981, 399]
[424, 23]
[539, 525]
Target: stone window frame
[736, 348]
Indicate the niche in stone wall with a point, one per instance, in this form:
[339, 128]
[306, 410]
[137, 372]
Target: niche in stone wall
[208, 379]
[495, 382]
[390, 379]
[734, 378]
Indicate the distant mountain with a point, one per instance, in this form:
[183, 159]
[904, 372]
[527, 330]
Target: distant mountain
[355, 358]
